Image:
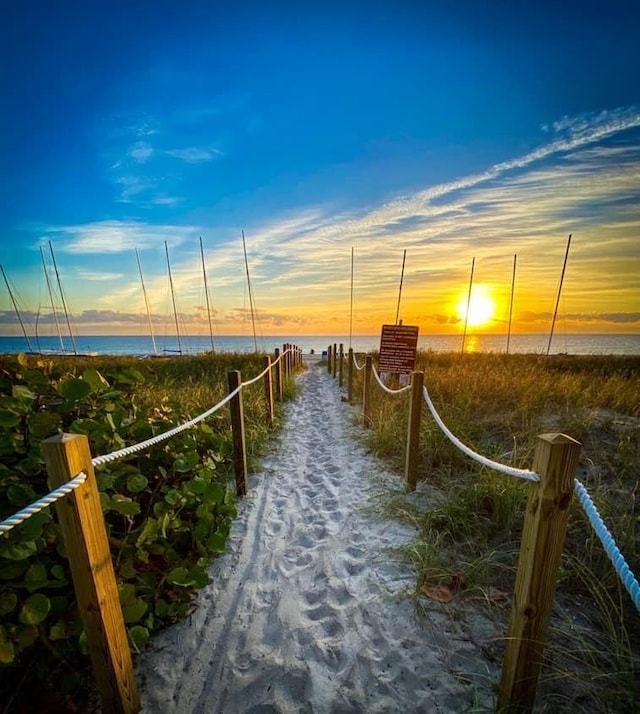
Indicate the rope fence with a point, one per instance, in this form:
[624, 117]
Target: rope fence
[69, 465]
[554, 465]
[356, 365]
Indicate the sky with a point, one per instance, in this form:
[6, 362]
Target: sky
[458, 131]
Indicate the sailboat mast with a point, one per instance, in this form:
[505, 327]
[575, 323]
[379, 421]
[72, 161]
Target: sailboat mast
[253, 317]
[146, 303]
[53, 307]
[466, 313]
[15, 307]
[404, 256]
[173, 298]
[513, 284]
[206, 292]
[64, 304]
[555, 312]
[351, 302]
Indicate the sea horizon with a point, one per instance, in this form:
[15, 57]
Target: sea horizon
[144, 345]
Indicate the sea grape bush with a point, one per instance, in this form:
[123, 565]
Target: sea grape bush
[167, 510]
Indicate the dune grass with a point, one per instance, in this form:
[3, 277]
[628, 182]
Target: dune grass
[469, 533]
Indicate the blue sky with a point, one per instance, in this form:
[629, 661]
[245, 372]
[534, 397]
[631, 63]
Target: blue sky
[454, 130]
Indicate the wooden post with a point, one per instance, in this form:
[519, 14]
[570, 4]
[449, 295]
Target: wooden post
[555, 460]
[335, 359]
[278, 369]
[85, 538]
[329, 359]
[366, 391]
[237, 432]
[413, 430]
[285, 364]
[268, 387]
[341, 365]
[350, 377]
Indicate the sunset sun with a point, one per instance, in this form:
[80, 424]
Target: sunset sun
[481, 307]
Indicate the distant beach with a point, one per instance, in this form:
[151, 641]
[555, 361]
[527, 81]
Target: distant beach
[193, 344]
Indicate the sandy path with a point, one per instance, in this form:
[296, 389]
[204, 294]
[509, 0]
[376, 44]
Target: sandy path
[303, 613]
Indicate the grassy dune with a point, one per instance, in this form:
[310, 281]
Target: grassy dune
[468, 534]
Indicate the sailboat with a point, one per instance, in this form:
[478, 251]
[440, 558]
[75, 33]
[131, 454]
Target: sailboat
[206, 292]
[146, 303]
[15, 307]
[173, 300]
[251, 301]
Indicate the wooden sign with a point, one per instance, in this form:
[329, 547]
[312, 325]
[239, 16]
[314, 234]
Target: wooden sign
[398, 345]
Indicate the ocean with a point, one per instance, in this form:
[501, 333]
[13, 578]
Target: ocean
[141, 345]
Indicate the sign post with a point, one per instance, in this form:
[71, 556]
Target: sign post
[398, 345]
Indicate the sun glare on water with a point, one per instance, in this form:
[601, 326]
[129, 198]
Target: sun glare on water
[481, 307]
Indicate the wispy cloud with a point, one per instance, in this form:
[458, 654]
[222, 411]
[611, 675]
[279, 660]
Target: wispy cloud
[99, 277]
[105, 237]
[195, 154]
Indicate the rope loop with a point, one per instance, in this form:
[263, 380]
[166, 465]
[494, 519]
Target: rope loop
[387, 389]
[495, 465]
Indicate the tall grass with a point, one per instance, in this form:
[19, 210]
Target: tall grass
[498, 404]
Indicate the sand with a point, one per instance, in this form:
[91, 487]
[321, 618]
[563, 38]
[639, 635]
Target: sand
[309, 610]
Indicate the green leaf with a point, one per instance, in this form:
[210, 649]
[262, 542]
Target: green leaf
[43, 424]
[37, 380]
[35, 609]
[214, 493]
[22, 359]
[35, 576]
[136, 483]
[20, 494]
[178, 576]
[139, 637]
[57, 572]
[9, 419]
[12, 570]
[199, 576]
[186, 462]
[74, 389]
[59, 631]
[18, 551]
[83, 643]
[31, 529]
[216, 542]
[125, 506]
[95, 380]
[8, 602]
[22, 393]
[149, 532]
[135, 611]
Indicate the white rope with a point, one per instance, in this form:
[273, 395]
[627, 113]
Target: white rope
[355, 363]
[509, 470]
[266, 369]
[42, 503]
[384, 386]
[121, 453]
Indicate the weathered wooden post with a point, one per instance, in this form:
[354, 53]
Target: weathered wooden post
[335, 359]
[341, 365]
[237, 432]
[285, 365]
[85, 538]
[555, 460]
[413, 430]
[268, 387]
[350, 377]
[366, 391]
[329, 359]
[278, 375]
